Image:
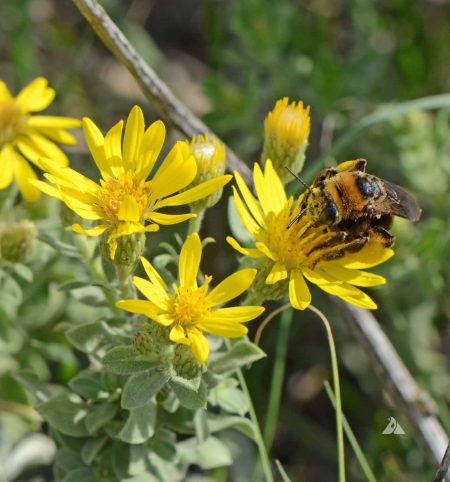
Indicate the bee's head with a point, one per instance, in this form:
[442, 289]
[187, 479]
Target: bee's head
[329, 213]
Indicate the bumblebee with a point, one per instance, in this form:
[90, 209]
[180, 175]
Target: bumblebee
[356, 203]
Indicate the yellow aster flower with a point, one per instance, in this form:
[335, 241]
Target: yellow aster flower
[125, 201]
[189, 309]
[287, 129]
[25, 137]
[307, 249]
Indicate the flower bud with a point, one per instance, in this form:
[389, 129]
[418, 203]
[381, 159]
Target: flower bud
[210, 155]
[287, 129]
[17, 241]
[184, 362]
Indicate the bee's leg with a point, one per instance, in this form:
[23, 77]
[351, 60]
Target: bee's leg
[383, 236]
[385, 221]
[356, 244]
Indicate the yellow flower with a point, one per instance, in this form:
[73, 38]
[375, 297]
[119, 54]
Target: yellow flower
[188, 309]
[287, 129]
[124, 201]
[305, 250]
[29, 137]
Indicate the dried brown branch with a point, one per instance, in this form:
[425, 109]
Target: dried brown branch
[444, 466]
[398, 381]
[157, 92]
[416, 404]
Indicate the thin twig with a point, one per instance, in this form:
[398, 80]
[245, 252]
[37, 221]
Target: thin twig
[156, 91]
[415, 402]
[444, 466]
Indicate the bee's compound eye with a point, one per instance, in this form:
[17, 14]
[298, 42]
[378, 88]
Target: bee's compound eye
[329, 214]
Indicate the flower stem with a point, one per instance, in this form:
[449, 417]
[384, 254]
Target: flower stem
[195, 224]
[127, 289]
[273, 405]
[267, 320]
[337, 392]
[258, 435]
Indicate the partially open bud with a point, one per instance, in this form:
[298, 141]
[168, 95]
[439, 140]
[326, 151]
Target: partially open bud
[287, 129]
[17, 241]
[184, 362]
[210, 155]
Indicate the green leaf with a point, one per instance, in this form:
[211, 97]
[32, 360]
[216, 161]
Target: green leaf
[229, 397]
[86, 475]
[140, 425]
[123, 360]
[188, 395]
[201, 425]
[92, 448]
[88, 336]
[141, 387]
[100, 414]
[66, 414]
[163, 443]
[23, 271]
[63, 248]
[67, 460]
[87, 384]
[212, 453]
[242, 353]
[217, 423]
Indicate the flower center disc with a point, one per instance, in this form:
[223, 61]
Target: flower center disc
[189, 305]
[12, 121]
[115, 190]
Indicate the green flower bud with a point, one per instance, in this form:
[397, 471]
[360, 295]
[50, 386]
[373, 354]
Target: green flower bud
[17, 241]
[184, 362]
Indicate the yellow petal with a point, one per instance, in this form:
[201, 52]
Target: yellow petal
[151, 146]
[134, 131]
[189, 261]
[96, 145]
[352, 276]
[139, 306]
[299, 294]
[52, 121]
[200, 345]
[195, 193]
[177, 334]
[249, 222]
[58, 135]
[252, 252]
[24, 174]
[153, 275]
[265, 250]
[228, 329]
[231, 287]
[7, 161]
[269, 188]
[36, 95]
[113, 149]
[94, 231]
[129, 210]
[250, 201]
[174, 175]
[165, 319]
[166, 219]
[234, 314]
[152, 293]
[47, 189]
[277, 273]
[36, 146]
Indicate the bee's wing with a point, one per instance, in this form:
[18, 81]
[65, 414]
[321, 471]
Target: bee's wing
[400, 202]
[354, 165]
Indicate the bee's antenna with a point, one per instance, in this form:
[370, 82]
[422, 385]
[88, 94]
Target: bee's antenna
[299, 179]
[299, 215]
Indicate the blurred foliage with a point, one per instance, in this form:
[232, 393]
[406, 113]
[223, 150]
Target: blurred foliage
[342, 58]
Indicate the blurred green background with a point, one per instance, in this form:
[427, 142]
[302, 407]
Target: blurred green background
[229, 62]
